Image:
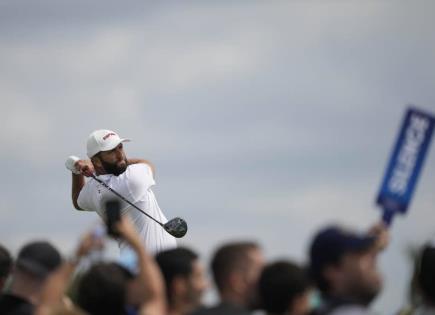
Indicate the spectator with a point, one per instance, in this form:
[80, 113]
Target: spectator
[53, 300]
[344, 267]
[184, 278]
[5, 266]
[424, 280]
[104, 289]
[426, 276]
[236, 268]
[35, 262]
[284, 289]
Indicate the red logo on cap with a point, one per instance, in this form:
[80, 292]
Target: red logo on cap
[108, 135]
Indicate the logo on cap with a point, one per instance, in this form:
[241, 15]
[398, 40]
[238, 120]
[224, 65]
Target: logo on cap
[108, 135]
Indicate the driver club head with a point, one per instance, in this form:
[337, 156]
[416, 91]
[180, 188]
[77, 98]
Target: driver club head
[177, 227]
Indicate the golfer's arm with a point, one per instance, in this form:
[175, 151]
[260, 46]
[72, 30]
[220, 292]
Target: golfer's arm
[137, 161]
[78, 181]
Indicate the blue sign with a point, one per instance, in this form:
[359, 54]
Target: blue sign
[406, 161]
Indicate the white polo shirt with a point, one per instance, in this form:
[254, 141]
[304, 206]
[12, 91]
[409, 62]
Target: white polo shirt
[135, 185]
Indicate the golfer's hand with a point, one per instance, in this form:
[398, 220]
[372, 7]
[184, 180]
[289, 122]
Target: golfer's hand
[128, 232]
[85, 167]
[382, 235]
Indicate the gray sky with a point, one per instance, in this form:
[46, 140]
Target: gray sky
[265, 119]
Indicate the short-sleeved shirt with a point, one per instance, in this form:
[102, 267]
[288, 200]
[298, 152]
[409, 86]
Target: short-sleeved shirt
[135, 185]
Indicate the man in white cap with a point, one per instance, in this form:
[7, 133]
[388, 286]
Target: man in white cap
[132, 178]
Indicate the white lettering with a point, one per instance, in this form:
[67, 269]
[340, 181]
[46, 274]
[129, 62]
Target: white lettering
[414, 137]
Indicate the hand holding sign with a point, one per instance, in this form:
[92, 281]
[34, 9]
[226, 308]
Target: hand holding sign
[380, 232]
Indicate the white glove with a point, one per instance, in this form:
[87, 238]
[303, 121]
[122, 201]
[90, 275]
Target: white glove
[70, 164]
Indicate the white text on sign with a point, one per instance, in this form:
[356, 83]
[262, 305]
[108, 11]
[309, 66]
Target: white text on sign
[414, 137]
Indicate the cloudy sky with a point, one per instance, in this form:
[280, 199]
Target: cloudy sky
[265, 119]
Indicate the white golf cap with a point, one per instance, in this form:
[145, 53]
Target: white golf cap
[102, 140]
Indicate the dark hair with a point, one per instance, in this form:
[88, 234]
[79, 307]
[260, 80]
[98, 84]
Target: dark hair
[279, 284]
[426, 274]
[229, 258]
[175, 263]
[5, 262]
[38, 259]
[103, 289]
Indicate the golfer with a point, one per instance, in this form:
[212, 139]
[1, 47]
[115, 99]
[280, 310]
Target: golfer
[132, 178]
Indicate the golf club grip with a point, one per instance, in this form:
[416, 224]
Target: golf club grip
[127, 201]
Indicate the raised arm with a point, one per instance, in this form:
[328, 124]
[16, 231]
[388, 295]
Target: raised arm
[57, 283]
[380, 231]
[78, 181]
[79, 169]
[150, 278]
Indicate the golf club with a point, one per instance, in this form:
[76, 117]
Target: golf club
[177, 227]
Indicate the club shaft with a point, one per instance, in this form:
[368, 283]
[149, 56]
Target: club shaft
[123, 198]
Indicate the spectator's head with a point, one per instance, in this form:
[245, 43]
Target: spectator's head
[184, 278]
[103, 289]
[38, 259]
[343, 264]
[236, 268]
[426, 274]
[5, 266]
[35, 262]
[284, 289]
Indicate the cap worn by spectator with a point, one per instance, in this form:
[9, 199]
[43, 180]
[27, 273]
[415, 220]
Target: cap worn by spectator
[343, 264]
[38, 259]
[333, 242]
[35, 262]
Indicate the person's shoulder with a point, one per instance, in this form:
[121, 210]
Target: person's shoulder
[138, 178]
[140, 167]
[139, 171]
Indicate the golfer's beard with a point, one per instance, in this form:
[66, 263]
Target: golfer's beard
[114, 168]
